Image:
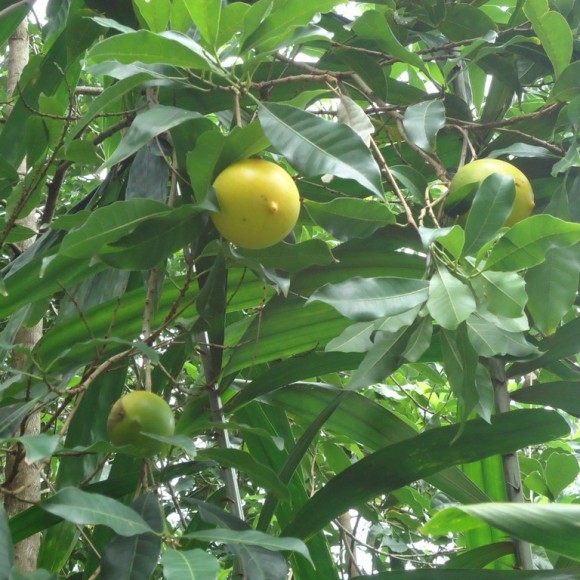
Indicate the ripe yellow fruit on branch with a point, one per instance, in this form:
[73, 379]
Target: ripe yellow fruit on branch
[458, 200]
[140, 412]
[259, 203]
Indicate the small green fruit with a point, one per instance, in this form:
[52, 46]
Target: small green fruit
[140, 412]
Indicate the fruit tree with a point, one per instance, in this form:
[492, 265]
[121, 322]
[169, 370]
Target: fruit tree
[336, 245]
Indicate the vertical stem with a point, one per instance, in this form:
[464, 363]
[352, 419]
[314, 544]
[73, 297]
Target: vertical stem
[511, 466]
[22, 478]
[223, 436]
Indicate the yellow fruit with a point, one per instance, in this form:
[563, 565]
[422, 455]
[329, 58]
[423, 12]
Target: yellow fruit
[459, 199]
[259, 203]
[140, 412]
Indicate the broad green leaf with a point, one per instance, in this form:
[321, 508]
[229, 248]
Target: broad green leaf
[552, 287]
[369, 424]
[560, 395]
[564, 343]
[451, 301]
[80, 507]
[464, 21]
[265, 28]
[206, 15]
[423, 455]
[39, 447]
[491, 207]
[316, 146]
[253, 538]
[136, 556]
[490, 340]
[527, 243]
[373, 25]
[419, 340]
[478, 557]
[502, 293]
[109, 224]
[553, 526]
[352, 114]
[354, 338]
[561, 471]
[154, 121]
[472, 574]
[347, 218]
[364, 299]
[189, 565]
[384, 358]
[148, 47]
[452, 239]
[155, 14]
[554, 33]
[423, 121]
[12, 415]
[568, 84]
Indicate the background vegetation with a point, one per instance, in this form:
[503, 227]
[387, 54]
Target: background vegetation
[387, 394]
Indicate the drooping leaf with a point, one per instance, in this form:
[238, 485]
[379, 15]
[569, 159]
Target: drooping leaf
[560, 395]
[451, 301]
[84, 508]
[148, 47]
[315, 146]
[136, 556]
[365, 299]
[425, 454]
[527, 243]
[423, 121]
[553, 526]
[189, 565]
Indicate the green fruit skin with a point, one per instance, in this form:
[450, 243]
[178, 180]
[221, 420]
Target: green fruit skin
[474, 173]
[137, 412]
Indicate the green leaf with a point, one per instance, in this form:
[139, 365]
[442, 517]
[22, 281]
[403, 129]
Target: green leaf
[189, 565]
[567, 85]
[136, 556]
[560, 395]
[561, 471]
[381, 360]
[448, 574]
[502, 293]
[155, 14]
[553, 526]
[553, 31]
[169, 48]
[450, 300]
[347, 218]
[154, 121]
[206, 15]
[527, 242]
[38, 447]
[252, 538]
[479, 557]
[491, 340]
[315, 146]
[552, 287]
[374, 25]
[423, 455]
[490, 209]
[80, 507]
[419, 340]
[464, 21]
[108, 224]
[366, 299]
[423, 121]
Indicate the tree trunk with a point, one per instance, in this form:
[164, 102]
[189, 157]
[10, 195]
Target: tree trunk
[22, 479]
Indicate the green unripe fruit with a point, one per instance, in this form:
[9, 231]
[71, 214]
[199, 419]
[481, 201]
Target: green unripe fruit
[140, 412]
[460, 196]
